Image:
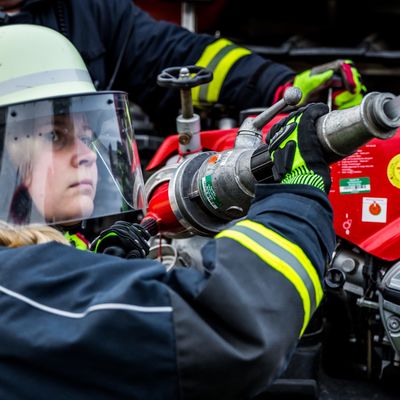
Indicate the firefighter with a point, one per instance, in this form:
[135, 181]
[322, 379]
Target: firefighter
[125, 49]
[80, 325]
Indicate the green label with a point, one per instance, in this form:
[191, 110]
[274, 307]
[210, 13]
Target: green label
[209, 192]
[354, 185]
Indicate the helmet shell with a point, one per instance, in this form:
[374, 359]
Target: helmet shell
[37, 63]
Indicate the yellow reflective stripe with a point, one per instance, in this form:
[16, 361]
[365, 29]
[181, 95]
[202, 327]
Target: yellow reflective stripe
[208, 54]
[276, 263]
[211, 51]
[285, 256]
[220, 71]
[295, 250]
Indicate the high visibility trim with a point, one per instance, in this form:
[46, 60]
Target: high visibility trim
[293, 249]
[211, 51]
[276, 263]
[284, 255]
[110, 234]
[89, 310]
[77, 240]
[220, 73]
[212, 66]
[219, 58]
[44, 78]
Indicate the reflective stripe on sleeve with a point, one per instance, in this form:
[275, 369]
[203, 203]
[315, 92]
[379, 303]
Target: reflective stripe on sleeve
[290, 261]
[218, 57]
[87, 311]
[292, 250]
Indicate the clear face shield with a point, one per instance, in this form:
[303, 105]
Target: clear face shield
[64, 160]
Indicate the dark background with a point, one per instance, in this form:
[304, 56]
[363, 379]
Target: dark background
[306, 33]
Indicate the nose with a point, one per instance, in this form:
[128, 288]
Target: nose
[83, 155]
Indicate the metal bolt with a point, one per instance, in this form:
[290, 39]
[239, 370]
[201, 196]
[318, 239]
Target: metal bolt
[394, 324]
[184, 138]
[184, 73]
[349, 265]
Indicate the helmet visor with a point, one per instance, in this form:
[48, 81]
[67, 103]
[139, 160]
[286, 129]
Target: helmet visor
[64, 160]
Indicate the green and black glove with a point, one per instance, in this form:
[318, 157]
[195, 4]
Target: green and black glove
[295, 149]
[340, 75]
[123, 239]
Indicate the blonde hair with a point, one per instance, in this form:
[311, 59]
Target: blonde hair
[17, 236]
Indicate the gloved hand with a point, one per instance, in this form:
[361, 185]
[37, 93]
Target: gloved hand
[295, 149]
[123, 239]
[340, 75]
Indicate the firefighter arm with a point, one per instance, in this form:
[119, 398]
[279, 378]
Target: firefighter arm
[241, 77]
[263, 285]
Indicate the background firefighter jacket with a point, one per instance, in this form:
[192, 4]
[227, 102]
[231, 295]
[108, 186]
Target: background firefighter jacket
[103, 29]
[79, 325]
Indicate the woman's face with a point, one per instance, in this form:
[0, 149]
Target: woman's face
[62, 176]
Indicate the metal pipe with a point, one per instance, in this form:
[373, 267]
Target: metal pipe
[188, 16]
[342, 132]
[186, 95]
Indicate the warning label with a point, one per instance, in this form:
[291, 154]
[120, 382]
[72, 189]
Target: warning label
[354, 185]
[357, 163]
[393, 171]
[209, 192]
[374, 209]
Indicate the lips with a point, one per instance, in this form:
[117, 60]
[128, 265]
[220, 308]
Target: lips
[82, 183]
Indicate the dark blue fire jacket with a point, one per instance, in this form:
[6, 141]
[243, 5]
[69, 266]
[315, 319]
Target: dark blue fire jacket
[79, 325]
[103, 29]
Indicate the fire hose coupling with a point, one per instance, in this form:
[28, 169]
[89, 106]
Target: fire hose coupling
[226, 181]
[384, 109]
[342, 132]
[208, 189]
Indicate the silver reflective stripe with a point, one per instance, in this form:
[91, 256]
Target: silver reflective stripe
[44, 78]
[284, 255]
[96, 307]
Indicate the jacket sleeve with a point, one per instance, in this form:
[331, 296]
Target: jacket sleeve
[241, 78]
[90, 325]
[264, 284]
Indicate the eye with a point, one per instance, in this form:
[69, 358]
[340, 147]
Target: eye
[52, 136]
[87, 140]
[56, 138]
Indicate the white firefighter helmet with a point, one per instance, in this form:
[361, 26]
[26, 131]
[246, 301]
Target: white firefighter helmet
[38, 62]
[67, 151]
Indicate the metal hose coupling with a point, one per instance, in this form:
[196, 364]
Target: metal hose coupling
[342, 132]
